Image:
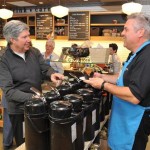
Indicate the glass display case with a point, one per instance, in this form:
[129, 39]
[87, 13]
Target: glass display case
[97, 57]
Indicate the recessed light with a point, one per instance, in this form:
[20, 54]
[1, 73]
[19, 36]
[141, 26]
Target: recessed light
[40, 2]
[85, 0]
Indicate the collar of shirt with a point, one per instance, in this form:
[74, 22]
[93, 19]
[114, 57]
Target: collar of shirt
[22, 55]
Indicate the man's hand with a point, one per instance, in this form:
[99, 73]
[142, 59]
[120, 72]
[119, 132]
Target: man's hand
[97, 75]
[57, 78]
[94, 82]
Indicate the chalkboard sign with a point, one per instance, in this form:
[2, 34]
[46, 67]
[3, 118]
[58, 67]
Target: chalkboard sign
[44, 25]
[78, 25]
[2, 23]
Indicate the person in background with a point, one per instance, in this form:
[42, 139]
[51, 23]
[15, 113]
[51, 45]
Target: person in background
[115, 62]
[21, 67]
[52, 58]
[129, 125]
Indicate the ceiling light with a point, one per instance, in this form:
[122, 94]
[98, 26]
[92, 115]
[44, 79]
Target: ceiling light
[5, 13]
[131, 7]
[41, 3]
[59, 11]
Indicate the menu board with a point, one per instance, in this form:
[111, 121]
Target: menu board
[44, 25]
[2, 23]
[79, 25]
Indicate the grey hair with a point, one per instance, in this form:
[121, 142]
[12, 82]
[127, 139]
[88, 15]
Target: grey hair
[13, 28]
[52, 42]
[143, 21]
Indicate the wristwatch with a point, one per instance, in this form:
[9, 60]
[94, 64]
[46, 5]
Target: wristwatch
[102, 86]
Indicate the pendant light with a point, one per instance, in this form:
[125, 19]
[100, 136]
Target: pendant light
[5, 13]
[59, 11]
[131, 7]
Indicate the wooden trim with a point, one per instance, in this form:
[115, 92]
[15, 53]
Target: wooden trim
[106, 38]
[108, 24]
[1, 123]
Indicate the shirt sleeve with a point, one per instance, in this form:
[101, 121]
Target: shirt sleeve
[46, 70]
[139, 75]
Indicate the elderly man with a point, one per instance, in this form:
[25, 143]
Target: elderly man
[22, 67]
[51, 57]
[129, 125]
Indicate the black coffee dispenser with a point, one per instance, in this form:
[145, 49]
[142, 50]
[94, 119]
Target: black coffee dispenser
[36, 125]
[89, 113]
[63, 126]
[77, 111]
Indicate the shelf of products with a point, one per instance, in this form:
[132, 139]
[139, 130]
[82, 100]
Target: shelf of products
[107, 25]
[21, 18]
[106, 38]
[2, 23]
[103, 25]
[31, 23]
[29, 20]
[61, 26]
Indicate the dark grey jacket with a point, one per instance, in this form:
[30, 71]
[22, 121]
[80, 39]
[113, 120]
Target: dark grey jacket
[18, 76]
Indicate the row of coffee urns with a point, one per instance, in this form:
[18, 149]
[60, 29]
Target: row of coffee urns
[65, 121]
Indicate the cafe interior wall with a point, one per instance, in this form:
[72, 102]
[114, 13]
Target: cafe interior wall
[40, 44]
[122, 51]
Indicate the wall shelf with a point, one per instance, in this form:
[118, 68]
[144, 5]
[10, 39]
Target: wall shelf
[107, 25]
[98, 23]
[60, 25]
[106, 38]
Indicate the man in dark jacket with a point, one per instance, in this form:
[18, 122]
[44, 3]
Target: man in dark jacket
[21, 67]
